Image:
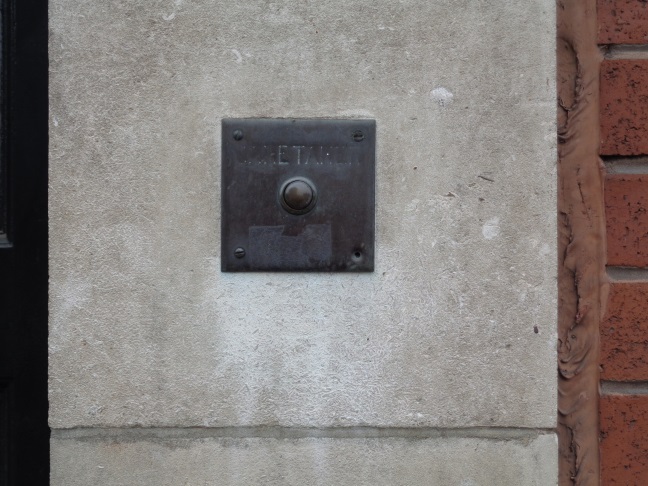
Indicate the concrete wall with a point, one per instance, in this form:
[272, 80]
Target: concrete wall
[438, 368]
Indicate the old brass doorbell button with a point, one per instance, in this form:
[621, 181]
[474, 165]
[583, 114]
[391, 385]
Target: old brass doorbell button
[297, 195]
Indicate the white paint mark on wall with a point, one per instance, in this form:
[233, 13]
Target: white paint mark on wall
[239, 58]
[171, 16]
[491, 228]
[442, 96]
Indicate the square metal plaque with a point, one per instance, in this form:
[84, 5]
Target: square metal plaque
[298, 195]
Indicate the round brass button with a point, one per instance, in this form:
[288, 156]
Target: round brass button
[297, 196]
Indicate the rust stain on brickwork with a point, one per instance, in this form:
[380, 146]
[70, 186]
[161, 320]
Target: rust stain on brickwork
[581, 242]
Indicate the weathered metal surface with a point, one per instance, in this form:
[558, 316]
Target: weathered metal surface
[298, 195]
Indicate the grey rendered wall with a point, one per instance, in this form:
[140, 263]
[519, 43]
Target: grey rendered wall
[438, 368]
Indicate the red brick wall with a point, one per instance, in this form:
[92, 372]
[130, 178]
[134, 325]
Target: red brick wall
[626, 212]
[624, 330]
[624, 107]
[624, 333]
[623, 22]
[624, 440]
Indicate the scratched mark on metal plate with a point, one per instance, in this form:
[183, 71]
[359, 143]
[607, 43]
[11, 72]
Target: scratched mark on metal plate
[271, 248]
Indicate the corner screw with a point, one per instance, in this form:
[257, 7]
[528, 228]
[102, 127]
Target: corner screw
[239, 252]
[358, 136]
[238, 135]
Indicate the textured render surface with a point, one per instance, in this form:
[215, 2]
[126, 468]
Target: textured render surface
[624, 107]
[622, 22]
[456, 327]
[352, 462]
[624, 333]
[624, 440]
[626, 212]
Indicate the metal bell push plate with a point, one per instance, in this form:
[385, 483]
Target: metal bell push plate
[298, 195]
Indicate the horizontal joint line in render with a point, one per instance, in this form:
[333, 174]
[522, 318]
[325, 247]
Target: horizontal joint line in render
[261, 432]
[626, 165]
[624, 388]
[625, 51]
[627, 274]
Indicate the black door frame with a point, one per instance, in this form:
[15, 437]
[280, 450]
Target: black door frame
[24, 433]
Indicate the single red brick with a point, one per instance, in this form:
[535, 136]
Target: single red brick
[624, 333]
[624, 440]
[622, 22]
[624, 107]
[626, 213]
